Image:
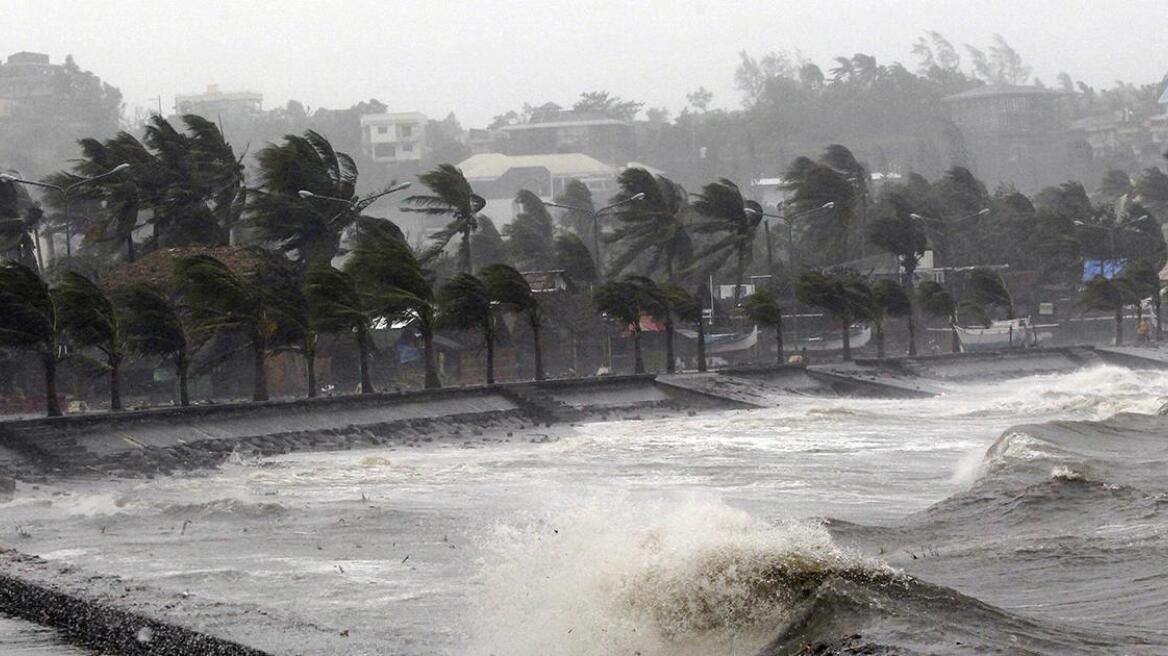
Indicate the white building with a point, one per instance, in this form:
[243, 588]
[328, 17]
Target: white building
[389, 138]
[217, 103]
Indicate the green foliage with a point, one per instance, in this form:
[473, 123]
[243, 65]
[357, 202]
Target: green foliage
[842, 293]
[89, 316]
[334, 302]
[889, 299]
[896, 232]
[577, 195]
[451, 195]
[29, 313]
[763, 308]
[651, 230]
[574, 258]
[735, 220]
[488, 244]
[681, 302]
[934, 300]
[625, 300]
[464, 303]
[530, 236]
[987, 290]
[309, 229]
[154, 324]
[507, 287]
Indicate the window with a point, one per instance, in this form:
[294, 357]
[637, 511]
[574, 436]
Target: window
[407, 148]
[405, 130]
[382, 129]
[384, 150]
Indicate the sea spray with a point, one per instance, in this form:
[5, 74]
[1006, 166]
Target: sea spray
[608, 576]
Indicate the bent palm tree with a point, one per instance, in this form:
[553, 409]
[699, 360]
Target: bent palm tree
[725, 210]
[762, 307]
[653, 226]
[464, 303]
[900, 234]
[395, 285]
[888, 300]
[29, 320]
[451, 196]
[934, 300]
[223, 301]
[842, 294]
[91, 320]
[156, 326]
[509, 289]
[337, 306]
[1107, 295]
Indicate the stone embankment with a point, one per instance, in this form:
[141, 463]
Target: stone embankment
[162, 440]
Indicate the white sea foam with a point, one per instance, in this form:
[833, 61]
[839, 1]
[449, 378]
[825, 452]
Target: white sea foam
[610, 577]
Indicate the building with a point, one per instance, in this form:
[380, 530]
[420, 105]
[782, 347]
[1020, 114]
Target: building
[390, 138]
[1013, 133]
[498, 178]
[215, 103]
[552, 129]
[25, 75]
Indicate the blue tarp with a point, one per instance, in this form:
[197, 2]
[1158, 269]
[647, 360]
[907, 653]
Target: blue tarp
[1106, 268]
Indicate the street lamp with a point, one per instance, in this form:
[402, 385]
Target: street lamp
[789, 220]
[931, 223]
[1111, 230]
[356, 206]
[596, 223]
[64, 191]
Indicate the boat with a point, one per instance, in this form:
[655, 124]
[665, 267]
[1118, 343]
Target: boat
[1011, 333]
[733, 342]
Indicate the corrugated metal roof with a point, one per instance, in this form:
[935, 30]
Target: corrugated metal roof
[1164, 97]
[494, 165]
[990, 90]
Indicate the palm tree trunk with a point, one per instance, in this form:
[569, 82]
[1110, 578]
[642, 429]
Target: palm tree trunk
[130, 254]
[1156, 309]
[847, 337]
[956, 345]
[489, 338]
[1119, 325]
[779, 343]
[115, 385]
[184, 397]
[310, 365]
[907, 284]
[670, 365]
[259, 373]
[429, 356]
[363, 354]
[535, 343]
[879, 326]
[739, 274]
[638, 361]
[466, 255]
[701, 345]
[52, 405]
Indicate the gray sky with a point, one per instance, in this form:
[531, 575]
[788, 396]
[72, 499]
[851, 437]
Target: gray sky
[479, 58]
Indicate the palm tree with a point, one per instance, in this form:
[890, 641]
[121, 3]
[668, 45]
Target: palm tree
[29, 320]
[91, 320]
[842, 294]
[386, 271]
[573, 256]
[156, 326]
[1108, 295]
[451, 196]
[725, 211]
[687, 308]
[578, 198]
[465, 303]
[530, 236]
[652, 225]
[308, 226]
[508, 289]
[626, 300]
[337, 306]
[899, 233]
[223, 300]
[763, 308]
[987, 289]
[888, 300]
[1143, 281]
[935, 301]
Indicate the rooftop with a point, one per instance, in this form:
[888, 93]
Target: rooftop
[995, 90]
[495, 165]
[214, 93]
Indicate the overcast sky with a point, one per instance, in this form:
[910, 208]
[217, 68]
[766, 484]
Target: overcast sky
[479, 58]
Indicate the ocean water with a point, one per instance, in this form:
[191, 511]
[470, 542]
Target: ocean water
[1020, 516]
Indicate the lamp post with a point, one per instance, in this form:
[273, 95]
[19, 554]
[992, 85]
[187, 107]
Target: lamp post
[356, 206]
[596, 223]
[930, 222]
[1111, 229]
[64, 191]
[789, 220]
